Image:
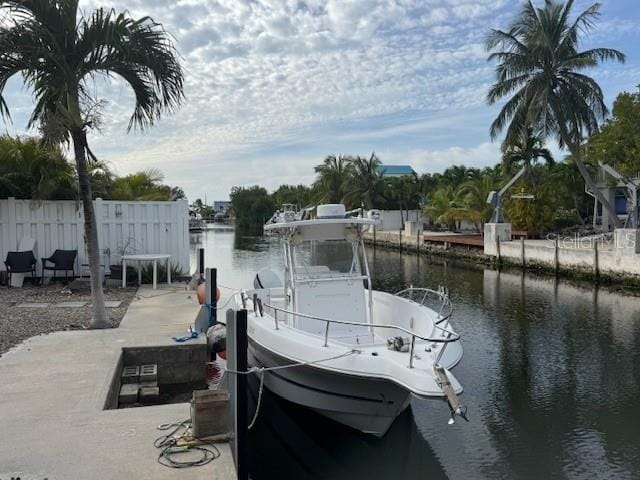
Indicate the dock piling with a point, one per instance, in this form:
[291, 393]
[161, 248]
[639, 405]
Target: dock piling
[201, 262]
[556, 262]
[237, 345]
[210, 300]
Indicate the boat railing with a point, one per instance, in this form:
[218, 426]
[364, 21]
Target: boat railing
[446, 336]
[427, 297]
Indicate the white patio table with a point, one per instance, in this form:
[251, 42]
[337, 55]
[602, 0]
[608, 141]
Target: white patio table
[146, 257]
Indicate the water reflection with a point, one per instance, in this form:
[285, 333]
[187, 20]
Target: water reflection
[294, 442]
[551, 374]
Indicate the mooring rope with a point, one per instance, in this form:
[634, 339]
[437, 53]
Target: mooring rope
[262, 370]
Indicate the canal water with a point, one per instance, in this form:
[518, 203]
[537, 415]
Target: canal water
[551, 373]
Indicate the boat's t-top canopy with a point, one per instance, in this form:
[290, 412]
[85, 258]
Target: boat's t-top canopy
[323, 260]
[331, 223]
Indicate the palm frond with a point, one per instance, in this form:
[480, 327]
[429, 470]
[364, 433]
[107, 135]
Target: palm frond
[139, 51]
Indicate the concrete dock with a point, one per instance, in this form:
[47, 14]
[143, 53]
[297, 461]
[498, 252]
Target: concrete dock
[53, 390]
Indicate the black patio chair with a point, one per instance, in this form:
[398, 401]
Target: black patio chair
[21, 262]
[62, 260]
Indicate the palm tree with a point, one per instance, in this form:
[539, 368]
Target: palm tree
[458, 174]
[144, 186]
[366, 185]
[396, 190]
[59, 51]
[472, 196]
[31, 170]
[523, 151]
[332, 180]
[443, 207]
[539, 64]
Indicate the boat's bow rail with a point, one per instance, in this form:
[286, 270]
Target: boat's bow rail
[436, 300]
[444, 334]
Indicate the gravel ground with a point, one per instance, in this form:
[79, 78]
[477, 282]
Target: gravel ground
[18, 324]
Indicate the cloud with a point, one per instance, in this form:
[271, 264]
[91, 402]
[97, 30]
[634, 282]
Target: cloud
[483, 155]
[272, 86]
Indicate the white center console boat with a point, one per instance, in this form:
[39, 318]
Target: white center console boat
[330, 342]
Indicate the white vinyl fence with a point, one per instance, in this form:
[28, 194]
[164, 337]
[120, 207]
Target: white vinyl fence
[123, 228]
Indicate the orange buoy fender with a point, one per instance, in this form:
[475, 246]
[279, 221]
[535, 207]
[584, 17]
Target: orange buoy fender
[201, 293]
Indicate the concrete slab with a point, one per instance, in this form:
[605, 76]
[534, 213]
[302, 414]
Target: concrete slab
[112, 304]
[91, 442]
[70, 304]
[32, 305]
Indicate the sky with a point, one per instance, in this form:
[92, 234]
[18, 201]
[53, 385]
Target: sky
[274, 86]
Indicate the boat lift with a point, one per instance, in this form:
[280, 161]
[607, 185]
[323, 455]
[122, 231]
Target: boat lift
[495, 198]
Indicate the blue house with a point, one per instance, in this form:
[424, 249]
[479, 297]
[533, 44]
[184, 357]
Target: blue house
[221, 206]
[395, 170]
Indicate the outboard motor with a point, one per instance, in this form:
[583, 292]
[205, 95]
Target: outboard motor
[267, 278]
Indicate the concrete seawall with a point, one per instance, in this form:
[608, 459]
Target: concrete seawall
[583, 258]
[394, 239]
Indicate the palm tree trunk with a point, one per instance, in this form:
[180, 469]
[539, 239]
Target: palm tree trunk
[99, 318]
[576, 206]
[577, 158]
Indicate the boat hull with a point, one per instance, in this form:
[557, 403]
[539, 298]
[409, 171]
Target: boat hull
[363, 403]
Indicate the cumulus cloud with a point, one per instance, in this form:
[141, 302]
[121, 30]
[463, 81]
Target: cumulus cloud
[483, 155]
[273, 86]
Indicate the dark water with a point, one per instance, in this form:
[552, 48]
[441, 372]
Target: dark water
[551, 374]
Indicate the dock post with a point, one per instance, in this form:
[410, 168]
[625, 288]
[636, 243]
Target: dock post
[201, 262]
[556, 263]
[237, 361]
[210, 300]
[524, 263]
[596, 269]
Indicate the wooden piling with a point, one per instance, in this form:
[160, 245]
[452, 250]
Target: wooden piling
[210, 299]
[556, 262]
[596, 267]
[524, 263]
[237, 345]
[201, 262]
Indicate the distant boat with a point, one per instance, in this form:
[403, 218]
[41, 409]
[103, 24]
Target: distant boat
[351, 353]
[287, 213]
[196, 222]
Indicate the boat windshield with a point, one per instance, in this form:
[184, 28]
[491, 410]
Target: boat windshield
[326, 259]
